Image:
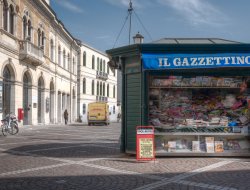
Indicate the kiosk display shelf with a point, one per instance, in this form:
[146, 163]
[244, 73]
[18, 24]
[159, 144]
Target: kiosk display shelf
[200, 114]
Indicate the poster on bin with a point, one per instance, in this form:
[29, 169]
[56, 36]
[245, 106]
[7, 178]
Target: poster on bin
[145, 149]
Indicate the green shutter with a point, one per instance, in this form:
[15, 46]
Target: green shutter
[133, 109]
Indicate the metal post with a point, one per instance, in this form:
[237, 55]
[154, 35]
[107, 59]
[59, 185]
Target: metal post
[130, 10]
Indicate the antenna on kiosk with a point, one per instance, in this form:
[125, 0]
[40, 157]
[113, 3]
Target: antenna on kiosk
[130, 11]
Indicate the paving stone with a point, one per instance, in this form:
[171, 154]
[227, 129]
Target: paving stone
[10, 163]
[83, 157]
[164, 167]
[175, 186]
[233, 175]
[73, 177]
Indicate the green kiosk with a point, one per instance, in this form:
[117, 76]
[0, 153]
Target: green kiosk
[195, 92]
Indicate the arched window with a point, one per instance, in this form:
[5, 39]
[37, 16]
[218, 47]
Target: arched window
[108, 90]
[114, 91]
[104, 66]
[6, 91]
[93, 62]
[84, 86]
[43, 40]
[24, 27]
[29, 30]
[100, 64]
[11, 19]
[52, 50]
[84, 59]
[59, 55]
[39, 34]
[74, 66]
[68, 61]
[93, 87]
[97, 89]
[5, 15]
[6, 74]
[64, 58]
[108, 69]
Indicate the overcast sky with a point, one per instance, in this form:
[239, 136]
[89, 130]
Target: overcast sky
[98, 22]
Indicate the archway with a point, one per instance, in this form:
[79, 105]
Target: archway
[52, 102]
[7, 96]
[40, 103]
[59, 107]
[27, 100]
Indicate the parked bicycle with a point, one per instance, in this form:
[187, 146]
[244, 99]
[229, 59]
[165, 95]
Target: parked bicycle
[9, 125]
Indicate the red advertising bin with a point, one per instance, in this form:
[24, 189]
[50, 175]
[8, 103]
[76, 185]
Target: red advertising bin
[145, 145]
[20, 114]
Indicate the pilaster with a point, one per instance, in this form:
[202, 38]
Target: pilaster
[1, 14]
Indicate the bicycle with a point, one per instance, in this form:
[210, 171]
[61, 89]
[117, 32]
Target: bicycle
[9, 125]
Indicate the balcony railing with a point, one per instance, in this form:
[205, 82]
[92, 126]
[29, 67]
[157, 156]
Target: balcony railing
[31, 53]
[101, 75]
[101, 99]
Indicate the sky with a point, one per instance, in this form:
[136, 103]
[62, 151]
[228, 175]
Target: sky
[98, 23]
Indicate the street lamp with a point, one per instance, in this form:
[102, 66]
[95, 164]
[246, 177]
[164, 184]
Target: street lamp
[138, 38]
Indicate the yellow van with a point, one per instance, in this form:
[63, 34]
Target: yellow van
[98, 113]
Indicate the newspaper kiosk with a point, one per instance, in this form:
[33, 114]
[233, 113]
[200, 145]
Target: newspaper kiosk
[195, 92]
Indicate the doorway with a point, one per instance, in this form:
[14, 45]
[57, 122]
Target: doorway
[40, 103]
[27, 98]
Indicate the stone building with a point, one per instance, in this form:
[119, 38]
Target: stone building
[97, 82]
[38, 63]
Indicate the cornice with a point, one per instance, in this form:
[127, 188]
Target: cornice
[9, 49]
[47, 11]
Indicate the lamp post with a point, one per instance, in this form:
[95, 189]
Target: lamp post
[138, 38]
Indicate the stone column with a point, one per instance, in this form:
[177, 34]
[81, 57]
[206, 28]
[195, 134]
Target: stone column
[34, 106]
[59, 108]
[52, 107]
[46, 117]
[1, 14]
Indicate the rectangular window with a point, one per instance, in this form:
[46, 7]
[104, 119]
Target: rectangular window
[114, 92]
[84, 109]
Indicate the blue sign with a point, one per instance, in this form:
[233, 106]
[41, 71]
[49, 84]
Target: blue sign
[190, 61]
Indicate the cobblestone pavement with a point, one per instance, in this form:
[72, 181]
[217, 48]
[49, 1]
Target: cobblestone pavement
[82, 157]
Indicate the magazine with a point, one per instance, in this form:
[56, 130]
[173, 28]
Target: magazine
[196, 146]
[171, 146]
[210, 144]
[218, 145]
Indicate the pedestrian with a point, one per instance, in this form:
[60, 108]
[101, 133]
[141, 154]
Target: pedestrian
[66, 116]
[118, 117]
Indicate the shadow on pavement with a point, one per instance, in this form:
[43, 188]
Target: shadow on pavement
[67, 150]
[81, 178]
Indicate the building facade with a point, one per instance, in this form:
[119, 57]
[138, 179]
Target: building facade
[97, 83]
[38, 63]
